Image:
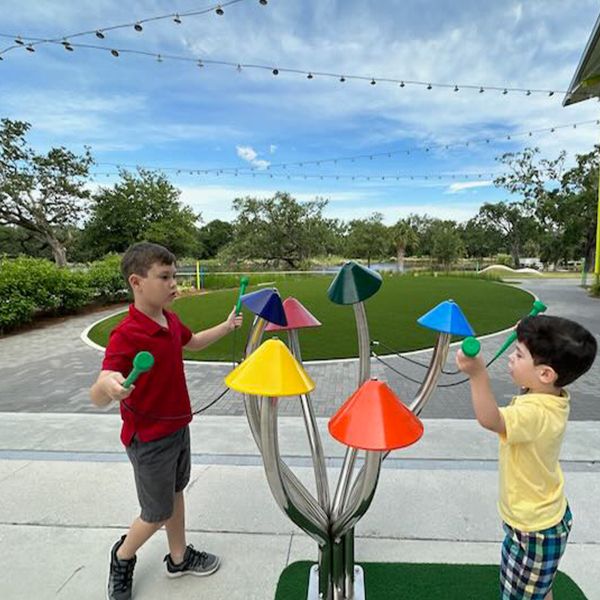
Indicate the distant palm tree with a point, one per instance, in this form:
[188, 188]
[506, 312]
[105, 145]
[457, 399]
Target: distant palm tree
[403, 236]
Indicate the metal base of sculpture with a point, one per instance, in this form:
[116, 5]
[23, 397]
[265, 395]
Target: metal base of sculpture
[313, 583]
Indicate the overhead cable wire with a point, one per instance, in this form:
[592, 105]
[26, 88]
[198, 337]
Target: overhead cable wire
[29, 44]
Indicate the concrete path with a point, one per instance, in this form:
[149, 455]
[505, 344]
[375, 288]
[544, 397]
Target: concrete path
[66, 494]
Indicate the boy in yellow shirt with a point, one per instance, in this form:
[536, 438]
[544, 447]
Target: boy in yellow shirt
[551, 352]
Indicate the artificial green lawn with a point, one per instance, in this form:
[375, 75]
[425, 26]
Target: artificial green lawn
[415, 581]
[392, 313]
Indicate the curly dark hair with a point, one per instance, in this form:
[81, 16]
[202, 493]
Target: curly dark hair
[140, 257]
[566, 346]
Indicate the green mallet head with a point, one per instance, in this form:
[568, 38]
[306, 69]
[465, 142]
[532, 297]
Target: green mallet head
[470, 347]
[243, 285]
[537, 308]
[142, 362]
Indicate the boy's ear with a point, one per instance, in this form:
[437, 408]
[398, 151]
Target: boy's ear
[547, 374]
[134, 281]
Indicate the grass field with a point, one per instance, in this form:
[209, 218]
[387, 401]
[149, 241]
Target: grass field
[415, 581]
[392, 312]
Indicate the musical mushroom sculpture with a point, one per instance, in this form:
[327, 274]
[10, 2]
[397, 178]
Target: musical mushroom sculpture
[271, 371]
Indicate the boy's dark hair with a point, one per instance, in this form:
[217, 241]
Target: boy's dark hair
[564, 345]
[140, 257]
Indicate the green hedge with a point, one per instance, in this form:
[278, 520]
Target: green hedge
[106, 280]
[30, 286]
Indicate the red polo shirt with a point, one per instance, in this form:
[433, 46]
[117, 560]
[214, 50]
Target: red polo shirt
[161, 391]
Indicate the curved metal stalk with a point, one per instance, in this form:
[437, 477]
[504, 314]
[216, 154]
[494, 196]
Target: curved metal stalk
[314, 438]
[361, 502]
[436, 364]
[272, 462]
[343, 552]
[301, 497]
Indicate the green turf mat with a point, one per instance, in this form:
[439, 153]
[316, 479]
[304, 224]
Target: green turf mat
[419, 581]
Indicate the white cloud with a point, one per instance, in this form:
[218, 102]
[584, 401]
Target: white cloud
[467, 185]
[248, 154]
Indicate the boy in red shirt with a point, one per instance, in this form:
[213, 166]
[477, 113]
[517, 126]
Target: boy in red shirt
[155, 428]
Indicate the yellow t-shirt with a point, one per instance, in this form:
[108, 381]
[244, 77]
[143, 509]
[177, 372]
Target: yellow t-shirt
[531, 480]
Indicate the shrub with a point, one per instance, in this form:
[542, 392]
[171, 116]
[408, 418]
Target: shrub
[106, 280]
[32, 285]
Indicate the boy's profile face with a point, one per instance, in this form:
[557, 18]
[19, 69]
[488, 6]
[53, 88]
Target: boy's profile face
[158, 287]
[527, 374]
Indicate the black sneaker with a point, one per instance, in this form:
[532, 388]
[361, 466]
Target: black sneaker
[194, 563]
[120, 575]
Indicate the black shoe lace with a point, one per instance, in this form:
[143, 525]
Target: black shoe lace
[196, 558]
[122, 574]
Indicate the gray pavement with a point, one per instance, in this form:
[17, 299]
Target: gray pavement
[66, 489]
[66, 494]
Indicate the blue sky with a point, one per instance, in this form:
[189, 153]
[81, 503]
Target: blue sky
[135, 110]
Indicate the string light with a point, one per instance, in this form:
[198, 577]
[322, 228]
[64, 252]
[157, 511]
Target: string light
[137, 25]
[319, 176]
[310, 74]
[371, 156]
[219, 10]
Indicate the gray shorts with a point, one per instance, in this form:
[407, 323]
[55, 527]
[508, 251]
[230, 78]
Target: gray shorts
[161, 468]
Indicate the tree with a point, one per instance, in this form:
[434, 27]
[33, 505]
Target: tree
[480, 239]
[575, 209]
[514, 220]
[213, 236]
[367, 238]
[141, 206]
[279, 229]
[403, 236]
[447, 243]
[43, 194]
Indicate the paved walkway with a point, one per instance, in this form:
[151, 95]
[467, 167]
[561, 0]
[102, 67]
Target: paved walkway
[51, 370]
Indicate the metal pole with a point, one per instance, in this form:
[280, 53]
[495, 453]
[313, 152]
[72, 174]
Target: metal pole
[319, 531]
[314, 439]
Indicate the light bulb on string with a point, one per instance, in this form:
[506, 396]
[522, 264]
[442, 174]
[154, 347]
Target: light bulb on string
[342, 79]
[138, 27]
[29, 48]
[177, 19]
[275, 71]
[19, 41]
[100, 35]
[373, 82]
[309, 76]
[456, 88]
[114, 52]
[219, 10]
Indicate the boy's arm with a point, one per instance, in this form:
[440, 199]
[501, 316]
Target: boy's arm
[108, 387]
[202, 339]
[484, 401]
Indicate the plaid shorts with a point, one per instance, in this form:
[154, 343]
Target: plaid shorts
[530, 560]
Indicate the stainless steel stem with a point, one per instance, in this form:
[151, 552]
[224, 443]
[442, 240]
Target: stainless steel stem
[272, 462]
[314, 438]
[301, 497]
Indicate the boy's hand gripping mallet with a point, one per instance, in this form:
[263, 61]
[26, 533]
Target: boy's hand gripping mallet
[243, 285]
[142, 362]
[470, 346]
[538, 307]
